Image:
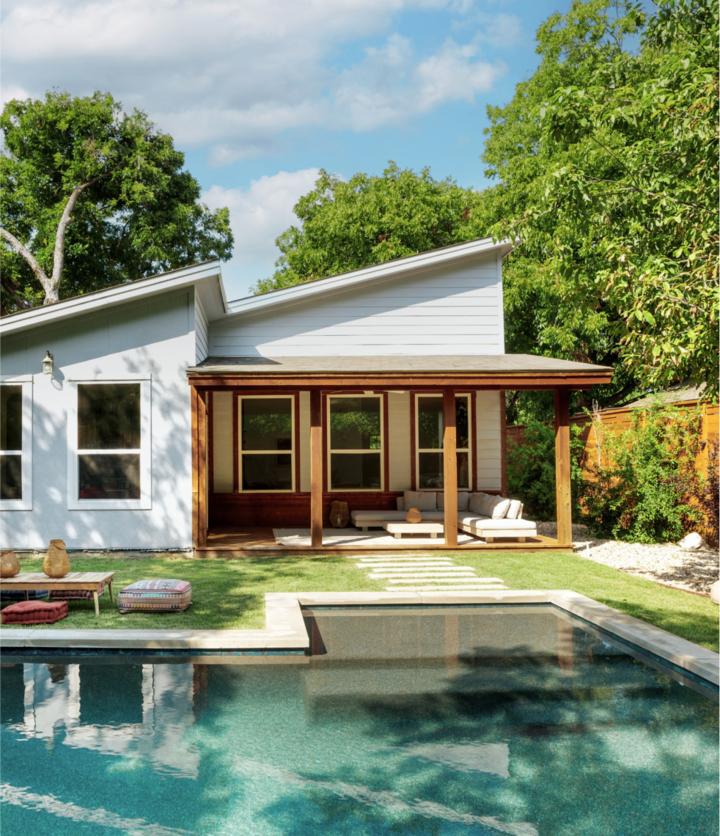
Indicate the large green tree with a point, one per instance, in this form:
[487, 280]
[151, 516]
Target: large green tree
[369, 220]
[93, 197]
[621, 208]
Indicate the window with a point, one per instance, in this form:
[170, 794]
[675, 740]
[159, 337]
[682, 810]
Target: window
[355, 439]
[16, 446]
[109, 446]
[266, 443]
[429, 441]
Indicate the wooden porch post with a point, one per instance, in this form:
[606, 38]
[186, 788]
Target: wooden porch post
[316, 468]
[562, 466]
[450, 468]
[199, 429]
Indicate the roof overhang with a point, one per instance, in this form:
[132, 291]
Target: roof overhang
[378, 272]
[502, 371]
[207, 279]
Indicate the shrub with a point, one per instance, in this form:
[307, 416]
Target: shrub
[642, 486]
[531, 468]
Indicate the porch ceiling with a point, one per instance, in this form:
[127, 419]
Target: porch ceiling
[499, 371]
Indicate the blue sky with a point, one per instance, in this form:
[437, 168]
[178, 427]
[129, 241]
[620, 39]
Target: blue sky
[260, 94]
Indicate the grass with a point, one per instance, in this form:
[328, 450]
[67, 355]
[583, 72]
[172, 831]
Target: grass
[228, 594]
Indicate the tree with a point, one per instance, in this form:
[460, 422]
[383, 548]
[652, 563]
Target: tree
[541, 315]
[93, 197]
[368, 220]
[625, 213]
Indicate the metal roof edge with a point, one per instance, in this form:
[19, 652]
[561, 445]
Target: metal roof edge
[327, 284]
[137, 289]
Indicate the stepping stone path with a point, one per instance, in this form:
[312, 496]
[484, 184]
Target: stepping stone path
[425, 574]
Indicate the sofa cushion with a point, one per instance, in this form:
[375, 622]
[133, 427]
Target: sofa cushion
[515, 509]
[422, 500]
[475, 502]
[433, 516]
[463, 501]
[469, 519]
[499, 508]
[400, 503]
[505, 525]
[487, 503]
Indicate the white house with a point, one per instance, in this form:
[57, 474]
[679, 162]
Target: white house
[172, 419]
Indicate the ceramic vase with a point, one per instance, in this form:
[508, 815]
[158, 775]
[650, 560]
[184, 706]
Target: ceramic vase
[413, 516]
[57, 562]
[9, 564]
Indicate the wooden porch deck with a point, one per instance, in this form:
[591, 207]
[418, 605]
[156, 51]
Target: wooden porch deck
[254, 541]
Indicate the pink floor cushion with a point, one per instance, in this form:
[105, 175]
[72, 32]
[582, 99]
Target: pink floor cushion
[34, 612]
[155, 596]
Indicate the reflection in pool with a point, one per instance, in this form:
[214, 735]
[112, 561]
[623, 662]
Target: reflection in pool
[444, 721]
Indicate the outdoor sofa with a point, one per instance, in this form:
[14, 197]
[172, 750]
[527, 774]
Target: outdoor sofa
[484, 515]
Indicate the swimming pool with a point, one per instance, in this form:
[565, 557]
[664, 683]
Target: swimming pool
[514, 720]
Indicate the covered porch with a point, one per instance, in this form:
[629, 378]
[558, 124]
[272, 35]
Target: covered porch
[276, 441]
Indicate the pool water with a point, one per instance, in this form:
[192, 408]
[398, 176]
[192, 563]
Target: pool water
[445, 721]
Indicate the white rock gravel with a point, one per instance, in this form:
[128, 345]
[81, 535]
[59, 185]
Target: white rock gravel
[666, 563]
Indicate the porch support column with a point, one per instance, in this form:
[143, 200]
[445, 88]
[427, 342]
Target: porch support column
[199, 429]
[562, 466]
[450, 468]
[316, 468]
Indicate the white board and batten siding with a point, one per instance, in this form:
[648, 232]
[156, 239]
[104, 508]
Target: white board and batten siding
[490, 429]
[453, 310]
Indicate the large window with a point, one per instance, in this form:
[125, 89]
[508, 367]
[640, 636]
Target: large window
[355, 441]
[266, 443]
[429, 441]
[110, 446]
[15, 446]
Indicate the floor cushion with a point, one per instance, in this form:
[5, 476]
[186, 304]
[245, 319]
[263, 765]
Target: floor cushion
[73, 594]
[19, 595]
[166, 595]
[34, 612]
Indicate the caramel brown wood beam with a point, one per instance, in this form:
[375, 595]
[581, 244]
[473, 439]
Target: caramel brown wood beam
[562, 467]
[450, 468]
[316, 469]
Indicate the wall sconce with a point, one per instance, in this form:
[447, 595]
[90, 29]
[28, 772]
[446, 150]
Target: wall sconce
[47, 363]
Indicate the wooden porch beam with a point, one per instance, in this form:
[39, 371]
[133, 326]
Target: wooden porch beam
[316, 468]
[562, 467]
[202, 460]
[450, 468]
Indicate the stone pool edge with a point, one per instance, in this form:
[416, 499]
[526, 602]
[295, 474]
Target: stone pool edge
[285, 629]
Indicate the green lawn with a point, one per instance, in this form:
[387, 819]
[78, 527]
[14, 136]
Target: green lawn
[229, 593]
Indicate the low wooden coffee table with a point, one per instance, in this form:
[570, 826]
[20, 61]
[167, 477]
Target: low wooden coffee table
[397, 529]
[94, 581]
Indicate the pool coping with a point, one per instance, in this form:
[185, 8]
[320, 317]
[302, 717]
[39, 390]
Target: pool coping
[286, 632]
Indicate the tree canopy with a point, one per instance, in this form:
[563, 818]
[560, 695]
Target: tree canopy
[94, 197]
[368, 220]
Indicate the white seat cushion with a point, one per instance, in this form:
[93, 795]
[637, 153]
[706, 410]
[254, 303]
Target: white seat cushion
[500, 508]
[500, 525]
[377, 516]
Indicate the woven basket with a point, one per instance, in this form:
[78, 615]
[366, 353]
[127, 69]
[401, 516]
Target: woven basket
[9, 564]
[57, 562]
[339, 514]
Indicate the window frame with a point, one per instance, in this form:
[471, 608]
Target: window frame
[379, 450]
[26, 469]
[418, 449]
[240, 452]
[144, 502]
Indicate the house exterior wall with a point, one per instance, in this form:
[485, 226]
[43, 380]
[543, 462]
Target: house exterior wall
[202, 332]
[454, 310]
[150, 340]
[293, 508]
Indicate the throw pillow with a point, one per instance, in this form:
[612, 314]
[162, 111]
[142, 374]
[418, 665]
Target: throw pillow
[422, 500]
[475, 503]
[500, 508]
[487, 504]
[513, 512]
[400, 502]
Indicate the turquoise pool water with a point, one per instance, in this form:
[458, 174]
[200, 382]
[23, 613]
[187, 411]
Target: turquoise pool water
[445, 721]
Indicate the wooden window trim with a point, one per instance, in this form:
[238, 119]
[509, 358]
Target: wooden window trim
[291, 396]
[471, 450]
[26, 469]
[382, 398]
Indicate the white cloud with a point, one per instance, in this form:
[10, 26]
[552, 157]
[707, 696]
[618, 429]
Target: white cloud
[260, 213]
[237, 74]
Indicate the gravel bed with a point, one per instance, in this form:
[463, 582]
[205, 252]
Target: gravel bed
[665, 563]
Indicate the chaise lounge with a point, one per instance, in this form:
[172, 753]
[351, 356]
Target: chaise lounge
[481, 514]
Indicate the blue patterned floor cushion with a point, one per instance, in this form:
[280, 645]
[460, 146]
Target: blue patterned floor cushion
[168, 595]
[18, 595]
